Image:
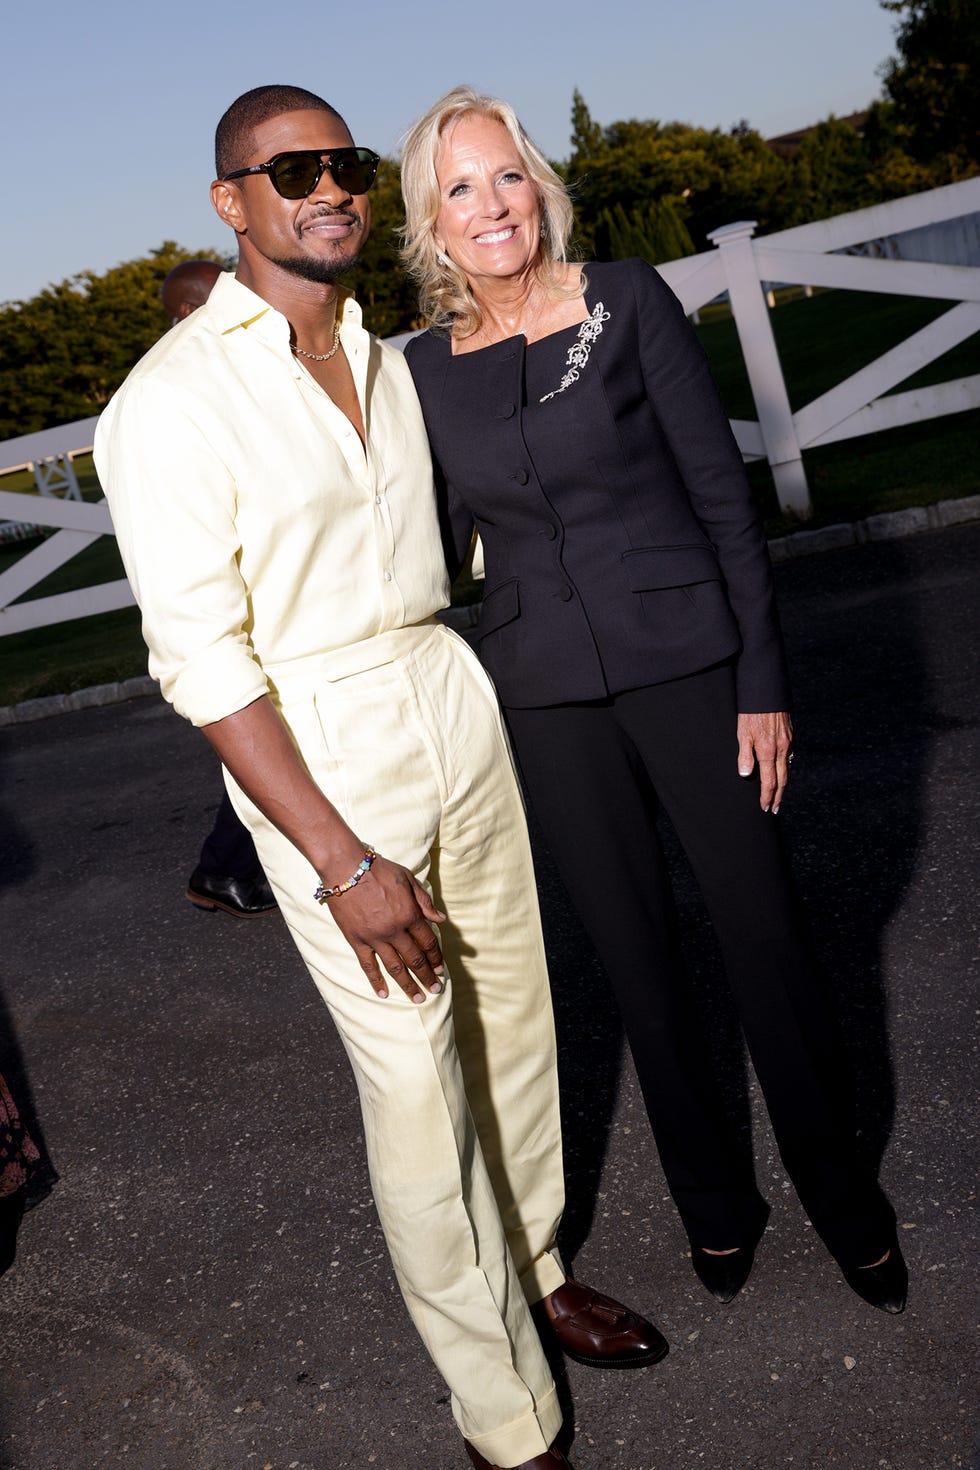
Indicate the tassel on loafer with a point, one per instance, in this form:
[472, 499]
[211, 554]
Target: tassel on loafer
[596, 1330]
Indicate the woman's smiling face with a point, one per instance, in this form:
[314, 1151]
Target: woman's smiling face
[489, 220]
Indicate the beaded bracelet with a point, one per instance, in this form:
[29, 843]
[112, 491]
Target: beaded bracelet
[364, 866]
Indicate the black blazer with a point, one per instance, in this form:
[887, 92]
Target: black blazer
[621, 540]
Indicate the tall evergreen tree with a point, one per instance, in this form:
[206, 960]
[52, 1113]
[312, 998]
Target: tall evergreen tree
[934, 84]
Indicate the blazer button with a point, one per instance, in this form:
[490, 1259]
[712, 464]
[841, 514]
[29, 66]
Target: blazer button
[521, 476]
[565, 594]
[506, 411]
[550, 532]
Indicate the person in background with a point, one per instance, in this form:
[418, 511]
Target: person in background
[269, 479]
[187, 287]
[630, 627]
[228, 876]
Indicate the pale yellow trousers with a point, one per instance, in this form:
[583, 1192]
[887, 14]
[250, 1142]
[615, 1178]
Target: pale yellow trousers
[459, 1095]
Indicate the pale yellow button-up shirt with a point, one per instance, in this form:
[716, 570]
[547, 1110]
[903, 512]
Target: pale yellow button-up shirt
[254, 528]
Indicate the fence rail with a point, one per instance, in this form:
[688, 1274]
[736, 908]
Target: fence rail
[809, 255]
[739, 267]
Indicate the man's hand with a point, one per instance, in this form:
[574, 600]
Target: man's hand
[387, 916]
[766, 740]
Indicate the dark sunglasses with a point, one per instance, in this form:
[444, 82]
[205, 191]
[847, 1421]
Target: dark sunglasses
[296, 175]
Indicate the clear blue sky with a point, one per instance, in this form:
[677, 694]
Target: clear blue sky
[108, 114]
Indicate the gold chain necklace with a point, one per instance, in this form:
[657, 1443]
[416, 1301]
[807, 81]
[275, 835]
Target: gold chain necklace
[321, 356]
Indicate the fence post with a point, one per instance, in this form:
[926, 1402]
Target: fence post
[55, 475]
[762, 363]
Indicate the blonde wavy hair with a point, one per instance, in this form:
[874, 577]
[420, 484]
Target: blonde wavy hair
[445, 299]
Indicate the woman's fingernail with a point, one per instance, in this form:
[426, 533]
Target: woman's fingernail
[745, 770]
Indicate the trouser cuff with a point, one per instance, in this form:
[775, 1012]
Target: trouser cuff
[544, 1275]
[532, 1434]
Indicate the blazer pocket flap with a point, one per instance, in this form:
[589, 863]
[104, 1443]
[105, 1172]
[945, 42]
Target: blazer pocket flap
[670, 566]
[500, 606]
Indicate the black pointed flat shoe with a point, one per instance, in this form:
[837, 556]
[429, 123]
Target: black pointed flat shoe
[886, 1286]
[723, 1276]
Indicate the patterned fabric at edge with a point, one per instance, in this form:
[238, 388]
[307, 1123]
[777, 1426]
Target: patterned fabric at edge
[18, 1155]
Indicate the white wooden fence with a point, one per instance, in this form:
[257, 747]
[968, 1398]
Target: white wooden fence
[809, 256]
[76, 524]
[739, 266]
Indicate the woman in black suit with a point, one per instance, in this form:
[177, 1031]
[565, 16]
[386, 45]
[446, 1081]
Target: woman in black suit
[629, 624]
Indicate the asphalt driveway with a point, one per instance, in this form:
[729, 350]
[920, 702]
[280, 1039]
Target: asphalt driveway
[206, 1287]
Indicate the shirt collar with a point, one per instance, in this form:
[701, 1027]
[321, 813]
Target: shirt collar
[234, 307]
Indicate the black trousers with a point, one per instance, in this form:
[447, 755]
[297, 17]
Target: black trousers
[596, 775]
[228, 850]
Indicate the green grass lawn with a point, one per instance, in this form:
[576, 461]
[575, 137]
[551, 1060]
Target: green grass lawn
[821, 340]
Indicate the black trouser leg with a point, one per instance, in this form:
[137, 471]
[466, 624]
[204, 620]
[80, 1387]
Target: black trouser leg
[228, 850]
[686, 734]
[597, 808]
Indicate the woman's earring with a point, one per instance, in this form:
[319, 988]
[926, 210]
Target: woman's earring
[442, 258]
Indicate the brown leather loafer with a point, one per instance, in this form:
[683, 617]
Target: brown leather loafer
[595, 1330]
[552, 1459]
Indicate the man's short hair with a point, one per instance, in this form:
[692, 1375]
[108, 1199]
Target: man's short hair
[233, 135]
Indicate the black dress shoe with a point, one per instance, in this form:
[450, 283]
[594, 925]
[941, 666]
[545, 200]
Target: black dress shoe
[246, 898]
[598, 1331]
[723, 1276]
[885, 1286]
[552, 1459]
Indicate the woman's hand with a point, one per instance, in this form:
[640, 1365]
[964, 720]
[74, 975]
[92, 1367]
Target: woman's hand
[766, 741]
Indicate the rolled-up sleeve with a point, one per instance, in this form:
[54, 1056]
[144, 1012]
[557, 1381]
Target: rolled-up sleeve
[173, 502]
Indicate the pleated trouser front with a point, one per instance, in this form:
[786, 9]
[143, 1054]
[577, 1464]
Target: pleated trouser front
[458, 1095]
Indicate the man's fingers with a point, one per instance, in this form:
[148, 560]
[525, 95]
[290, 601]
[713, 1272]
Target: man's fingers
[426, 905]
[408, 968]
[368, 963]
[428, 942]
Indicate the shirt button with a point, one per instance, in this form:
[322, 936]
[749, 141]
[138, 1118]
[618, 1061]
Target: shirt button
[521, 476]
[377, 500]
[388, 579]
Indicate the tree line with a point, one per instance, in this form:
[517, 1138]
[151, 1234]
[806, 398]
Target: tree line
[649, 188]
